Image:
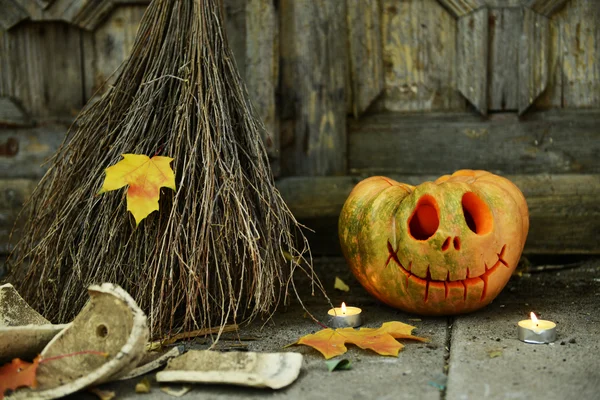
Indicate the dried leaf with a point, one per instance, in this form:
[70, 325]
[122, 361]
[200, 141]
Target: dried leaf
[338, 365]
[102, 394]
[330, 342]
[340, 285]
[145, 176]
[18, 374]
[143, 386]
[495, 353]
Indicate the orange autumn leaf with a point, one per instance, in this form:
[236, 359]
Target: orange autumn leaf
[331, 342]
[145, 176]
[18, 374]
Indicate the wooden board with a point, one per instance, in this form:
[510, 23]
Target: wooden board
[43, 69]
[108, 46]
[13, 194]
[505, 27]
[534, 55]
[313, 81]
[579, 23]
[472, 58]
[262, 71]
[365, 61]
[419, 56]
[552, 142]
[11, 114]
[564, 211]
[30, 149]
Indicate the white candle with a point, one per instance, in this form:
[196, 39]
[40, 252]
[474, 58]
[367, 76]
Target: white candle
[344, 317]
[537, 331]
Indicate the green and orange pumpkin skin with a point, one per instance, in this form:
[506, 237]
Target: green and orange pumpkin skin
[440, 248]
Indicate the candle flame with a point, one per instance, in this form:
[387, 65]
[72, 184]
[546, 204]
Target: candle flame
[534, 318]
[343, 308]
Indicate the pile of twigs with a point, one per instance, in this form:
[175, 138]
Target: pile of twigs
[223, 246]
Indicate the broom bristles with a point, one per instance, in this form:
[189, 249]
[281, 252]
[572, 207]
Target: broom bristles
[223, 247]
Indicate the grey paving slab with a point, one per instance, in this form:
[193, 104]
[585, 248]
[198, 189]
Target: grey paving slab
[372, 376]
[567, 368]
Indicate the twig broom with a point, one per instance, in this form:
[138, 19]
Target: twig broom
[223, 247]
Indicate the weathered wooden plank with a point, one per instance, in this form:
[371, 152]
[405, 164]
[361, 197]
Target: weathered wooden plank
[564, 211]
[458, 8]
[546, 7]
[551, 142]
[505, 26]
[579, 23]
[472, 58]
[419, 54]
[86, 14]
[106, 48]
[43, 69]
[365, 54]
[552, 96]
[13, 194]
[262, 71]
[534, 55]
[313, 69]
[28, 149]
[11, 114]
[12, 13]
[235, 26]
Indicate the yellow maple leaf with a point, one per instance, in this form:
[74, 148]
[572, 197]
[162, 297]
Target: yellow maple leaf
[331, 342]
[145, 176]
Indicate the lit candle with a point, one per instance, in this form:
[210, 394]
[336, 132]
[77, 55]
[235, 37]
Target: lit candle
[344, 317]
[536, 330]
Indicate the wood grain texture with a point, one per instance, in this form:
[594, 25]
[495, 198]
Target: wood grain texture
[11, 114]
[458, 8]
[505, 27]
[235, 26]
[108, 46]
[419, 57]
[262, 71]
[579, 24]
[546, 7]
[12, 13]
[34, 146]
[365, 61]
[313, 80]
[534, 57]
[552, 96]
[472, 58]
[549, 142]
[86, 14]
[13, 194]
[42, 69]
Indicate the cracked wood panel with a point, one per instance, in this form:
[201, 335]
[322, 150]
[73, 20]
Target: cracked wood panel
[563, 209]
[534, 53]
[86, 14]
[108, 46]
[262, 71]
[550, 142]
[545, 7]
[419, 54]
[12, 13]
[313, 81]
[365, 63]
[579, 24]
[574, 70]
[505, 27]
[42, 69]
[472, 58]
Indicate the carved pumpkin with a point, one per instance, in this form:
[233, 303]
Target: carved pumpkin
[443, 247]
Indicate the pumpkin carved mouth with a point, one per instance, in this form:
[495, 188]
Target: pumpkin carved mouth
[447, 285]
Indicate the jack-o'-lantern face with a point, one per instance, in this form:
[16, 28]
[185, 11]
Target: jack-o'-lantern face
[443, 247]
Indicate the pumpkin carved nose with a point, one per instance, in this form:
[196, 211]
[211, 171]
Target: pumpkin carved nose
[455, 243]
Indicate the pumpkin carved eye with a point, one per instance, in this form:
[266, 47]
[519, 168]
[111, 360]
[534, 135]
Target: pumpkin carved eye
[425, 219]
[477, 214]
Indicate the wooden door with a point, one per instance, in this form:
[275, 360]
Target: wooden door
[347, 89]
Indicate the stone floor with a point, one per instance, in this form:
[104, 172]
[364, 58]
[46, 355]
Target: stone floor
[476, 356]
